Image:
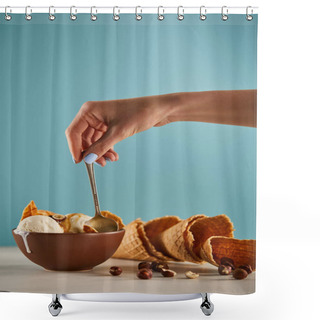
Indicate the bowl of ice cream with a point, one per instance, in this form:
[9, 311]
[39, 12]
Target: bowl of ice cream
[64, 242]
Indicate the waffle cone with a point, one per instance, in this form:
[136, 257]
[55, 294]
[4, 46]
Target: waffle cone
[134, 244]
[153, 229]
[89, 229]
[240, 251]
[202, 229]
[116, 218]
[32, 210]
[172, 242]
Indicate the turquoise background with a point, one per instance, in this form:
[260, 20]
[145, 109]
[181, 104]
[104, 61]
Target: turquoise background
[49, 69]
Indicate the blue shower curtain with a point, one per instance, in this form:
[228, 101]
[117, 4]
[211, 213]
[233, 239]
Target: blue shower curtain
[50, 68]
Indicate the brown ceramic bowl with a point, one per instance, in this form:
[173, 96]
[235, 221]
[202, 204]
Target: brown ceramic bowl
[69, 251]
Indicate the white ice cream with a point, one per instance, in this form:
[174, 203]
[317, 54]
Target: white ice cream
[40, 224]
[77, 221]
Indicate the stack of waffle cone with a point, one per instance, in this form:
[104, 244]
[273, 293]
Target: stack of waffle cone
[169, 238]
[140, 239]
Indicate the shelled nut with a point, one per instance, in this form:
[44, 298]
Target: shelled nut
[191, 275]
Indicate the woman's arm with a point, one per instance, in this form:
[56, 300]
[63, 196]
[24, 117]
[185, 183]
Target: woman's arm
[99, 125]
[233, 107]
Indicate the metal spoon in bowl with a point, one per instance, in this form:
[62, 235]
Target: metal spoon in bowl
[99, 222]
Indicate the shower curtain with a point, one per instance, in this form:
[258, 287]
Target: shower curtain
[183, 188]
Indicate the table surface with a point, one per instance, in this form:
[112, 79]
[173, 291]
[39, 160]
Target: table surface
[18, 274]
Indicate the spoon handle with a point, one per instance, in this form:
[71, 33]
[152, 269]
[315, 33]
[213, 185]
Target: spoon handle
[93, 188]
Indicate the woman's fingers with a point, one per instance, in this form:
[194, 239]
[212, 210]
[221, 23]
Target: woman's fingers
[87, 138]
[110, 156]
[102, 162]
[115, 154]
[102, 145]
[74, 137]
[95, 137]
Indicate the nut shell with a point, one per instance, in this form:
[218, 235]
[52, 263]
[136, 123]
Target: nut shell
[115, 271]
[224, 270]
[246, 267]
[58, 217]
[144, 265]
[227, 262]
[167, 273]
[158, 266]
[240, 274]
[144, 274]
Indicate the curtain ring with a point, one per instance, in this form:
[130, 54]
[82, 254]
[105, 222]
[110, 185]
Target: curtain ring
[51, 15]
[180, 14]
[160, 15]
[28, 16]
[224, 13]
[249, 17]
[93, 16]
[116, 16]
[203, 15]
[6, 15]
[73, 15]
[138, 16]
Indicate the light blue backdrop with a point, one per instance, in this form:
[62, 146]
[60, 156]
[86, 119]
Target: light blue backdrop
[49, 69]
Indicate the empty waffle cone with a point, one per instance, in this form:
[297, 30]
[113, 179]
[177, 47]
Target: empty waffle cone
[134, 243]
[198, 232]
[240, 251]
[153, 229]
[172, 242]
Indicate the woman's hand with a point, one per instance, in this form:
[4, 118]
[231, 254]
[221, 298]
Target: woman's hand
[99, 125]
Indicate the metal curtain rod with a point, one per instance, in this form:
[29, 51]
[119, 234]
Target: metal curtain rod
[125, 9]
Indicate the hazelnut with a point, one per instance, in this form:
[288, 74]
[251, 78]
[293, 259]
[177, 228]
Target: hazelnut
[191, 275]
[240, 274]
[58, 217]
[144, 273]
[158, 266]
[144, 265]
[167, 273]
[224, 270]
[246, 267]
[227, 262]
[115, 271]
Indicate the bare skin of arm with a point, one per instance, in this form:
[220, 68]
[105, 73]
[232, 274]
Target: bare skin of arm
[99, 125]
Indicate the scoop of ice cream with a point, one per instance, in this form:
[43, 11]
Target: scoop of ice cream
[40, 224]
[77, 221]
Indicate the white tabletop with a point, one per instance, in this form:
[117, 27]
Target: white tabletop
[18, 274]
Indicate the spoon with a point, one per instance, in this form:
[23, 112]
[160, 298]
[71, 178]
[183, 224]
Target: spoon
[99, 222]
